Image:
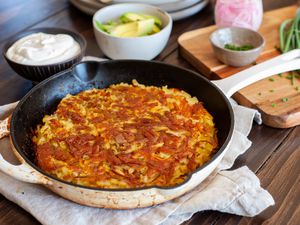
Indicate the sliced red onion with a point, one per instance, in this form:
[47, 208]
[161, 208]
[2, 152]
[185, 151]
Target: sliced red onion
[239, 13]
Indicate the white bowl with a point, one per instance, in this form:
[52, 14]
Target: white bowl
[145, 47]
[154, 2]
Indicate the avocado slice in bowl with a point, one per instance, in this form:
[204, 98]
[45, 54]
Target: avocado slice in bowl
[133, 29]
[131, 17]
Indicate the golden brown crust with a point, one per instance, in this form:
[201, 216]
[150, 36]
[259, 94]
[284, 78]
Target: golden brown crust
[126, 136]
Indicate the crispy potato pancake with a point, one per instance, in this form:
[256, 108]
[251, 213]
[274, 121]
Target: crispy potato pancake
[126, 136]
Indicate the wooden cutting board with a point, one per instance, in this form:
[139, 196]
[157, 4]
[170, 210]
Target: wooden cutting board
[276, 99]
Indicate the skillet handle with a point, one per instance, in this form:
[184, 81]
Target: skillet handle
[22, 172]
[4, 127]
[93, 58]
[283, 63]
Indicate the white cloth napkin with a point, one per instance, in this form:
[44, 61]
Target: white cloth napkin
[237, 191]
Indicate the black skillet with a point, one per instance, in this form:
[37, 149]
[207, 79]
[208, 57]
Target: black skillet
[44, 98]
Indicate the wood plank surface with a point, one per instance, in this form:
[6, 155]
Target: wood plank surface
[269, 144]
[266, 95]
[12, 215]
[17, 15]
[266, 141]
[280, 175]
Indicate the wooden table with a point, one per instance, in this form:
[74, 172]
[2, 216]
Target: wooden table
[274, 155]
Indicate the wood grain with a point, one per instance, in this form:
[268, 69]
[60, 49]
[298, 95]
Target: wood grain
[266, 95]
[280, 175]
[266, 141]
[12, 215]
[17, 15]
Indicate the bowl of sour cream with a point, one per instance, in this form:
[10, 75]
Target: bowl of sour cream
[40, 53]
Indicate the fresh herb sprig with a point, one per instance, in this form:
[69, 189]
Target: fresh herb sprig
[289, 33]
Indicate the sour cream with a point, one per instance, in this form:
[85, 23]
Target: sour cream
[43, 49]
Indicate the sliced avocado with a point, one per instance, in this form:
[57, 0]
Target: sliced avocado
[145, 27]
[156, 29]
[100, 26]
[125, 30]
[111, 23]
[133, 29]
[104, 27]
[157, 21]
[131, 17]
[109, 28]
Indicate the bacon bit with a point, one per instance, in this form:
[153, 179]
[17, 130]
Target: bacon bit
[67, 177]
[145, 121]
[120, 139]
[165, 150]
[85, 98]
[192, 163]
[128, 159]
[79, 145]
[43, 157]
[197, 107]
[73, 116]
[149, 135]
[82, 127]
[140, 137]
[96, 149]
[54, 123]
[112, 159]
[61, 155]
[130, 137]
[151, 172]
[153, 104]
[98, 119]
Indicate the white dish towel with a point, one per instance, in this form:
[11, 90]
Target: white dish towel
[237, 191]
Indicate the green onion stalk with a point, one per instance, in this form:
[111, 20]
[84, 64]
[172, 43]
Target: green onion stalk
[289, 33]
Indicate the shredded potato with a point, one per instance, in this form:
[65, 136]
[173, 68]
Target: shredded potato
[126, 136]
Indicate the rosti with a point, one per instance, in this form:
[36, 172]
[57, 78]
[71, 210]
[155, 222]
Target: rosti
[126, 136]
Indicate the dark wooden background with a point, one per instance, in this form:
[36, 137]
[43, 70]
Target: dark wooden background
[274, 155]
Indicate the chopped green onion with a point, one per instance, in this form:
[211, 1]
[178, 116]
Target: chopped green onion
[282, 34]
[273, 105]
[293, 76]
[238, 48]
[285, 99]
[289, 76]
[271, 79]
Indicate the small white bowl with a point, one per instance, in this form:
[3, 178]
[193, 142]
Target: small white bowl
[145, 47]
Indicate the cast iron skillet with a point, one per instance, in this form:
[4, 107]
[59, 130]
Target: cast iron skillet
[44, 98]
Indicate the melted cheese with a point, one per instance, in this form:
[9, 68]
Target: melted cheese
[126, 136]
